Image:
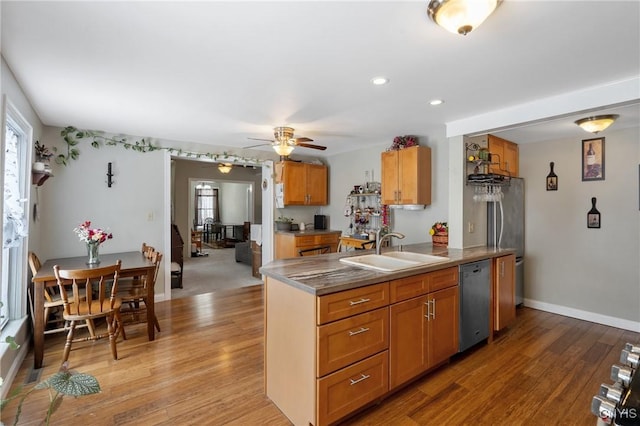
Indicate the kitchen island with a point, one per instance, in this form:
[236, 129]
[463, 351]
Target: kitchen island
[339, 337]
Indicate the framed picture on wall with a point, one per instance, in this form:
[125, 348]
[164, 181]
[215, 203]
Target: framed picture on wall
[593, 159]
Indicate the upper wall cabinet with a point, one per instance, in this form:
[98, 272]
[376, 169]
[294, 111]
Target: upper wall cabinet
[304, 184]
[504, 157]
[406, 176]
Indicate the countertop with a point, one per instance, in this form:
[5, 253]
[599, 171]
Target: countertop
[309, 232]
[325, 274]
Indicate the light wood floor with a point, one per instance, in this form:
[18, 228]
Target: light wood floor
[206, 368]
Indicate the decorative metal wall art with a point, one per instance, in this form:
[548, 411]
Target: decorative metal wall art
[593, 217]
[552, 179]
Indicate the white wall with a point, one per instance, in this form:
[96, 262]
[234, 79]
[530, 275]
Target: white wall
[347, 170]
[568, 266]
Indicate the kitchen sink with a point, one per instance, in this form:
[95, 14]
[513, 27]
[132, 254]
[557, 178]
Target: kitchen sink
[392, 261]
[416, 257]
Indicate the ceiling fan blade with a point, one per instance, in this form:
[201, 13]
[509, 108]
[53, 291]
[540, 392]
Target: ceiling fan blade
[303, 139]
[312, 146]
[260, 139]
[255, 146]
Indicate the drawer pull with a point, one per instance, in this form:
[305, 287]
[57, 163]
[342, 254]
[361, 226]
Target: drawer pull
[357, 302]
[362, 330]
[362, 377]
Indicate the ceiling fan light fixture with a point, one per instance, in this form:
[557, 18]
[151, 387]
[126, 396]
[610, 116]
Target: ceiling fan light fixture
[225, 167]
[597, 123]
[283, 148]
[461, 16]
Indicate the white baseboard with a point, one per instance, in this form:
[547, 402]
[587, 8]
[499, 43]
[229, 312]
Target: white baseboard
[584, 315]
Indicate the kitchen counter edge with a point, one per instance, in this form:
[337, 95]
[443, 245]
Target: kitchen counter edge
[325, 274]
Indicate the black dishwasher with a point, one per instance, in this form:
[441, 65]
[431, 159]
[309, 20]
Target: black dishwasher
[474, 303]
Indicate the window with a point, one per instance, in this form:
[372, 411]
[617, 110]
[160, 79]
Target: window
[17, 140]
[206, 200]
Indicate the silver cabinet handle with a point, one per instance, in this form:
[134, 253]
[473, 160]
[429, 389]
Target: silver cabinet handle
[358, 380]
[434, 308]
[357, 302]
[362, 330]
[428, 316]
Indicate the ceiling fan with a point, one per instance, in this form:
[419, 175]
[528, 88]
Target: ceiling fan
[284, 142]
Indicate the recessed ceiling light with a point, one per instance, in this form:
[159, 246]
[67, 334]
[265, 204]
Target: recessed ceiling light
[379, 81]
[436, 102]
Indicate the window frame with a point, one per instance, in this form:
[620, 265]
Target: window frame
[16, 284]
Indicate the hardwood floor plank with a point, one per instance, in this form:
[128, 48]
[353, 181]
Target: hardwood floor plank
[206, 367]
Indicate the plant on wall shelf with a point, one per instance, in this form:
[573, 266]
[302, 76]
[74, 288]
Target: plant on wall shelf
[72, 137]
[42, 152]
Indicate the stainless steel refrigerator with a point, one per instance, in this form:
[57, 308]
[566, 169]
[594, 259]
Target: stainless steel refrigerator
[508, 219]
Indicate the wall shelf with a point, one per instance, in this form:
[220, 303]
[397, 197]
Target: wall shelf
[38, 177]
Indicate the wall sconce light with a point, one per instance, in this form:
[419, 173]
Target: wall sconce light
[597, 123]
[461, 16]
[224, 168]
[109, 176]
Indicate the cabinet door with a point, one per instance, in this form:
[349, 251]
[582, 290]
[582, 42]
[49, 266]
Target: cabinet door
[294, 179]
[390, 177]
[443, 325]
[504, 291]
[406, 176]
[496, 148]
[511, 158]
[410, 184]
[316, 183]
[408, 335]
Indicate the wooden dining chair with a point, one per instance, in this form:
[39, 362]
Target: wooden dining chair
[134, 297]
[52, 304]
[314, 250]
[100, 286]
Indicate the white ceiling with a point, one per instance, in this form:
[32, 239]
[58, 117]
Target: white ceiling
[221, 72]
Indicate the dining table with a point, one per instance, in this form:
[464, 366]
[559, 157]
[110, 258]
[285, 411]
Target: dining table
[134, 264]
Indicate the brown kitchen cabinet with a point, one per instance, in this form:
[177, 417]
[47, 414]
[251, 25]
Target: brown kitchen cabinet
[304, 184]
[504, 156]
[406, 176]
[504, 291]
[326, 356]
[287, 244]
[424, 329]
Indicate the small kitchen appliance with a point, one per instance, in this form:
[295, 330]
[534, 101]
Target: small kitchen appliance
[319, 221]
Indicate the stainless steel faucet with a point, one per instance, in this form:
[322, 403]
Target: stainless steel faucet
[379, 239]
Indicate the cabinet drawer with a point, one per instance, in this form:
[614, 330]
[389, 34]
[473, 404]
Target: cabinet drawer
[348, 389]
[328, 239]
[443, 278]
[344, 304]
[406, 288]
[344, 342]
[307, 240]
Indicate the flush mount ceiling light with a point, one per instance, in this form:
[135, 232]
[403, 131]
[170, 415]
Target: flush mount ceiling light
[379, 81]
[224, 168]
[461, 16]
[597, 123]
[435, 102]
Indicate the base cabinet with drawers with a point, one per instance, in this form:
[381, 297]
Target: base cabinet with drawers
[288, 244]
[328, 356]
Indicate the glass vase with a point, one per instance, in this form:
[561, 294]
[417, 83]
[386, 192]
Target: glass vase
[93, 252]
